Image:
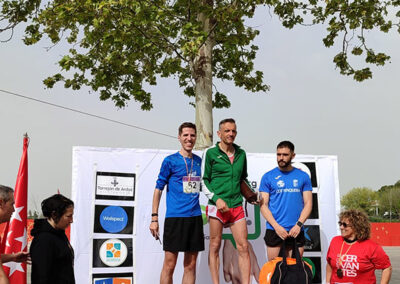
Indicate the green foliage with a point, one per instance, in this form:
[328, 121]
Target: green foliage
[379, 219]
[389, 199]
[120, 46]
[347, 24]
[361, 199]
[34, 214]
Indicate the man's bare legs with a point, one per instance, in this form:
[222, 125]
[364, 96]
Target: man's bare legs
[239, 232]
[189, 265]
[272, 252]
[168, 267]
[215, 244]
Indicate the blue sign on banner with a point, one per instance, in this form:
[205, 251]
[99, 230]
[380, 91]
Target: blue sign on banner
[113, 219]
[104, 281]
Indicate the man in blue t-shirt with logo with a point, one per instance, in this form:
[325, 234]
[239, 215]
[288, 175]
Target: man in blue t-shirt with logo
[287, 195]
[183, 226]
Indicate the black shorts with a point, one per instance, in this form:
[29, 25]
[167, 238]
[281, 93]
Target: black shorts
[183, 234]
[272, 239]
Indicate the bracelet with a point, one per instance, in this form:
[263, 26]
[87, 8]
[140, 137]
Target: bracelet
[154, 214]
[154, 221]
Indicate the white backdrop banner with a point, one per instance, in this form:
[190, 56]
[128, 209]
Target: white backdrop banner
[113, 188]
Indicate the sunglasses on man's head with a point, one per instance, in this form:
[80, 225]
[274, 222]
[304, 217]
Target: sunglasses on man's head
[345, 225]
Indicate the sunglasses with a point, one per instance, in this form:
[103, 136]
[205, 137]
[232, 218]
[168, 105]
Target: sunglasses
[345, 225]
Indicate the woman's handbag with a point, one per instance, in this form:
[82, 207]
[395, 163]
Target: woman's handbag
[283, 270]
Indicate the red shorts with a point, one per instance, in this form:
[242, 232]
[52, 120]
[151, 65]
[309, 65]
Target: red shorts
[227, 218]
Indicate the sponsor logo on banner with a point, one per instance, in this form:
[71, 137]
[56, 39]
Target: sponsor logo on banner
[113, 278]
[303, 167]
[310, 169]
[113, 281]
[315, 263]
[112, 185]
[312, 238]
[113, 252]
[113, 219]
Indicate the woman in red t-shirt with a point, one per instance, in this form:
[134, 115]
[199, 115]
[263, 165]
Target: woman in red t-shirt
[352, 257]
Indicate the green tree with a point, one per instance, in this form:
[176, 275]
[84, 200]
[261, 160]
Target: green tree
[117, 47]
[361, 198]
[389, 199]
[33, 214]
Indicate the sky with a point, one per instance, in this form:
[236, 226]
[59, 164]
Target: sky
[310, 103]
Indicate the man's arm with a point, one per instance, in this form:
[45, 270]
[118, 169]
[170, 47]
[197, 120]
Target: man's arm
[154, 227]
[280, 231]
[244, 178]
[206, 184]
[307, 199]
[21, 256]
[3, 277]
[244, 172]
[162, 180]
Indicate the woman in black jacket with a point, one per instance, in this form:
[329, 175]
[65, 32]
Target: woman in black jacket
[51, 253]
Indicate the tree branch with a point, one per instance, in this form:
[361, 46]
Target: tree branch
[174, 48]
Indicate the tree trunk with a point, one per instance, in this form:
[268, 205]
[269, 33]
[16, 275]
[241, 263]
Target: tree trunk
[202, 73]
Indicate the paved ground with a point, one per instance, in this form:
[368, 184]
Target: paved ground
[394, 255]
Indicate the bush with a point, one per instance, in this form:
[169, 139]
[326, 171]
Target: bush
[379, 219]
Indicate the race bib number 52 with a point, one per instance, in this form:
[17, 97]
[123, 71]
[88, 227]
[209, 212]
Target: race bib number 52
[191, 184]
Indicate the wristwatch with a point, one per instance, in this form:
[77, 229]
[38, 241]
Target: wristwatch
[299, 224]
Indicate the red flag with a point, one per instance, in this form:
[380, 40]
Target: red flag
[16, 231]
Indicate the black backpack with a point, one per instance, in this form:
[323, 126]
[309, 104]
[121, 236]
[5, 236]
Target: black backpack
[287, 270]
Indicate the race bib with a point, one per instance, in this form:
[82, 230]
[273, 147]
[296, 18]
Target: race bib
[191, 184]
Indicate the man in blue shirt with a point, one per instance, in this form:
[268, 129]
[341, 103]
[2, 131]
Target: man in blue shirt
[287, 195]
[183, 226]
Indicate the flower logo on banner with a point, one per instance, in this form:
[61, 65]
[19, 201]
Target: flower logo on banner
[113, 252]
[16, 240]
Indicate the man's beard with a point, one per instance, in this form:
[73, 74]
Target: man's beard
[283, 164]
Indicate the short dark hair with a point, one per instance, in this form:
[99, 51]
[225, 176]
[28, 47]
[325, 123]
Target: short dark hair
[55, 206]
[230, 120]
[5, 192]
[286, 144]
[186, 125]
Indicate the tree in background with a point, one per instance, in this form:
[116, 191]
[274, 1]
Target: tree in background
[34, 214]
[118, 47]
[360, 198]
[389, 199]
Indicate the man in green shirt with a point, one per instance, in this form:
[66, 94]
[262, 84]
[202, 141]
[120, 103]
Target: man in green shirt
[224, 166]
